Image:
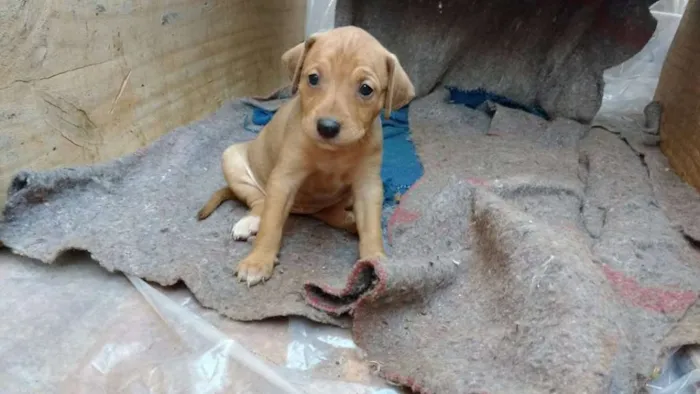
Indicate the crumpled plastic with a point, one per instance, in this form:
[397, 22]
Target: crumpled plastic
[72, 327]
[630, 86]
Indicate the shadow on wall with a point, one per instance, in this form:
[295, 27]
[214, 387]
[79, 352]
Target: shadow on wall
[538, 53]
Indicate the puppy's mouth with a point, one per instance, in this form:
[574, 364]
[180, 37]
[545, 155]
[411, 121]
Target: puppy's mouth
[346, 138]
[335, 144]
[327, 145]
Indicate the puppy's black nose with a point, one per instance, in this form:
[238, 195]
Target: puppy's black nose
[328, 127]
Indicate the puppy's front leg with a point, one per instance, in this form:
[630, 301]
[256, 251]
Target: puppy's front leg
[368, 193]
[281, 190]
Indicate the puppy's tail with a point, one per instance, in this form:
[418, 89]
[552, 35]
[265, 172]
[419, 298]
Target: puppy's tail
[215, 200]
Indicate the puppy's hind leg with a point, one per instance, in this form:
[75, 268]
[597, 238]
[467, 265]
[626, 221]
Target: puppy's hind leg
[215, 200]
[243, 185]
[338, 216]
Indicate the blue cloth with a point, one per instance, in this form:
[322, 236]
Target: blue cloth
[475, 97]
[401, 167]
[261, 116]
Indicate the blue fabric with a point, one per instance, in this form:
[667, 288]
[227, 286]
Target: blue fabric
[261, 117]
[475, 97]
[401, 167]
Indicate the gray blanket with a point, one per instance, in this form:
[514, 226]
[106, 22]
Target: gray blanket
[538, 52]
[533, 256]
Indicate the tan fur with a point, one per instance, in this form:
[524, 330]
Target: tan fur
[291, 168]
[216, 199]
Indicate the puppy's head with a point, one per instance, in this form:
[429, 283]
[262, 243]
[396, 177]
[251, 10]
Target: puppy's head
[344, 78]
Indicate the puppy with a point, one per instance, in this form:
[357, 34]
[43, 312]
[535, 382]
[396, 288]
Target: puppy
[321, 153]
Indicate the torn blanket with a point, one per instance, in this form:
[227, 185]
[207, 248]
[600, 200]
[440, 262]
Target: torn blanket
[531, 257]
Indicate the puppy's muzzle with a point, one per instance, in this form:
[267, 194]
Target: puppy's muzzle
[328, 127]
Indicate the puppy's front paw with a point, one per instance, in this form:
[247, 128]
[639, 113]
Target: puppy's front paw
[245, 228]
[254, 269]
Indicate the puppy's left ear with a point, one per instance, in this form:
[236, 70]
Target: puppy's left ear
[400, 90]
[293, 60]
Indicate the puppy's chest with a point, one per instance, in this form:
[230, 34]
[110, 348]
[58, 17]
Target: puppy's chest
[331, 172]
[325, 184]
[324, 188]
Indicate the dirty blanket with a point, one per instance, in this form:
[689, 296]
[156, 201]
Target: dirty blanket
[542, 53]
[531, 257]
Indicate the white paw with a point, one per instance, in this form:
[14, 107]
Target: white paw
[245, 228]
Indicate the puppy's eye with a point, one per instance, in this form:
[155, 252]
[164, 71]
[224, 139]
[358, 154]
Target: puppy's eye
[313, 79]
[365, 90]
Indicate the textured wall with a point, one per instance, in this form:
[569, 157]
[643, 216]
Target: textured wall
[83, 82]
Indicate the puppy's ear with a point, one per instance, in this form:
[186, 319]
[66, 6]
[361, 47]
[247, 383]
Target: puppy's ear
[400, 90]
[293, 60]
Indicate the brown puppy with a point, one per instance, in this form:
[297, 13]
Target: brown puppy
[321, 151]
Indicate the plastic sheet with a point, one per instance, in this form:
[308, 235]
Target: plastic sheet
[320, 15]
[209, 357]
[83, 330]
[631, 85]
[680, 375]
[213, 362]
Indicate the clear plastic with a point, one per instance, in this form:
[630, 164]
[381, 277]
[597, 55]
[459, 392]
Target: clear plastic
[320, 15]
[680, 374]
[210, 361]
[160, 340]
[631, 85]
[209, 356]
[75, 328]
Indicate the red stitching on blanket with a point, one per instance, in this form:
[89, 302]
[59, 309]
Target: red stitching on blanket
[402, 215]
[372, 293]
[405, 382]
[650, 298]
[477, 181]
